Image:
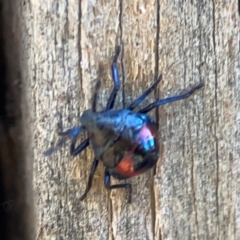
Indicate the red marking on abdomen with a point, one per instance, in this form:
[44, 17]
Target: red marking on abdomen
[126, 166]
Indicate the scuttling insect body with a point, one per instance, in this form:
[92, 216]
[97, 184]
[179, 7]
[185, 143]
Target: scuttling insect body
[126, 142]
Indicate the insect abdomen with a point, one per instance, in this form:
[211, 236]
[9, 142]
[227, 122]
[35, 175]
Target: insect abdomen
[142, 155]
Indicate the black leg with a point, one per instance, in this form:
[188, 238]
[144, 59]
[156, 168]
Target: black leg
[116, 81]
[136, 102]
[73, 134]
[94, 103]
[170, 99]
[75, 151]
[90, 178]
[124, 185]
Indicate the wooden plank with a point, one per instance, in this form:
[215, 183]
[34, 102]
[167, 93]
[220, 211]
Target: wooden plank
[196, 188]
[138, 35]
[193, 193]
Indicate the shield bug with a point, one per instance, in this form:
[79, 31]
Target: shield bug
[126, 142]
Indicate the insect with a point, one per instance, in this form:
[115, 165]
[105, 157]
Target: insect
[126, 142]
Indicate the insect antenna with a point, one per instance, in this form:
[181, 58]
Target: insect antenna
[71, 134]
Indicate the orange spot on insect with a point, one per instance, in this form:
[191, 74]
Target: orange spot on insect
[125, 167]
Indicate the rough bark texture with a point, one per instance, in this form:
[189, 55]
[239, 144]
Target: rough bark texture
[194, 191]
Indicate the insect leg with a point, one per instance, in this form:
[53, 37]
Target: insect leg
[136, 102]
[75, 151]
[73, 134]
[170, 99]
[116, 81]
[90, 178]
[124, 185]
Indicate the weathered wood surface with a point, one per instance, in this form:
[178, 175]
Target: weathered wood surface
[194, 191]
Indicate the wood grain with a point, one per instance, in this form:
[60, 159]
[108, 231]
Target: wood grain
[193, 193]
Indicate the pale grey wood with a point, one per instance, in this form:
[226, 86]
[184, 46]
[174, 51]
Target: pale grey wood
[196, 185]
[193, 192]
